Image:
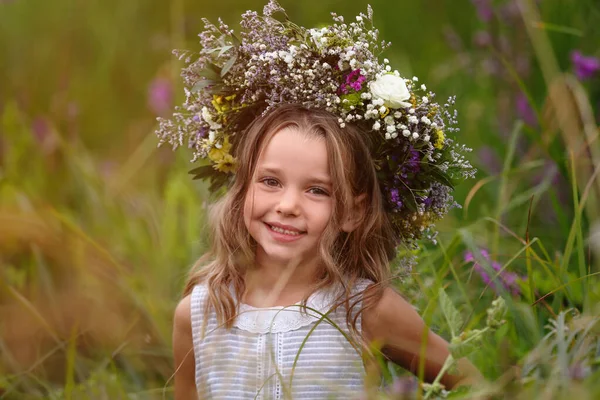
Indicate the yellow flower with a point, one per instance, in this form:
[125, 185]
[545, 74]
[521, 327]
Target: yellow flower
[226, 164]
[439, 141]
[218, 154]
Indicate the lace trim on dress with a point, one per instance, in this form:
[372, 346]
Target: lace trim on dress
[283, 319]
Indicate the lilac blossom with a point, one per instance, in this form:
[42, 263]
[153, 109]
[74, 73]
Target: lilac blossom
[585, 66]
[507, 280]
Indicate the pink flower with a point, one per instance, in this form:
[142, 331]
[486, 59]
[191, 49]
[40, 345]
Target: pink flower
[354, 81]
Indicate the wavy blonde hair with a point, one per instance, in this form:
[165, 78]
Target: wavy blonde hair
[364, 252]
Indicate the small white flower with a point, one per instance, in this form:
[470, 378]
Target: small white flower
[425, 100]
[391, 90]
[397, 114]
[376, 126]
[342, 125]
[426, 138]
[359, 18]
[211, 136]
[388, 136]
[413, 120]
[391, 128]
[415, 79]
[406, 133]
[382, 110]
[425, 120]
[434, 125]
[411, 111]
[208, 118]
[423, 87]
[386, 61]
[415, 135]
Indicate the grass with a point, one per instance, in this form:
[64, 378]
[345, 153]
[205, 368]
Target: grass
[98, 227]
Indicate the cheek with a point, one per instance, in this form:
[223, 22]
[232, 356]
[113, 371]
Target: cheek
[324, 214]
[248, 206]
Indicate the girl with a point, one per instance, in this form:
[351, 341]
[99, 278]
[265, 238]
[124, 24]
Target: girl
[308, 132]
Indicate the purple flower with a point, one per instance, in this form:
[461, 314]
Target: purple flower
[524, 110]
[395, 198]
[354, 80]
[485, 12]
[507, 280]
[160, 96]
[585, 66]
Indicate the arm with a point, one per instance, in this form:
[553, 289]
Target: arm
[393, 322]
[183, 352]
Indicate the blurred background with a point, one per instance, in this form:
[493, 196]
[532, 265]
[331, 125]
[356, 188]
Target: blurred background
[98, 226]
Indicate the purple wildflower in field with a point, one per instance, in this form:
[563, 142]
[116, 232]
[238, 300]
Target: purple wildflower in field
[525, 111]
[585, 66]
[160, 96]
[489, 158]
[485, 11]
[508, 280]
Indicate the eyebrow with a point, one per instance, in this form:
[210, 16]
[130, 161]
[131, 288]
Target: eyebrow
[276, 171]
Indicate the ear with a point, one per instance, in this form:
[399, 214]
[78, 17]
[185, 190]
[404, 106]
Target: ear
[356, 215]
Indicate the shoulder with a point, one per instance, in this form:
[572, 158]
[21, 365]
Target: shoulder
[386, 311]
[182, 320]
[183, 351]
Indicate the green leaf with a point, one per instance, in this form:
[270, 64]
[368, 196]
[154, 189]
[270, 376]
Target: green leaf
[462, 349]
[202, 84]
[441, 177]
[224, 50]
[211, 71]
[450, 313]
[228, 65]
[202, 172]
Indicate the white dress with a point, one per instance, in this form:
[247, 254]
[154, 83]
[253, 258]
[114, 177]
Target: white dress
[277, 353]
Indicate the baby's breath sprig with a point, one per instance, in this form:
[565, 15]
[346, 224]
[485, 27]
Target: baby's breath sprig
[335, 68]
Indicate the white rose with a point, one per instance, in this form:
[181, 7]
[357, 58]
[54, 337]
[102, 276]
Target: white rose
[209, 120]
[392, 90]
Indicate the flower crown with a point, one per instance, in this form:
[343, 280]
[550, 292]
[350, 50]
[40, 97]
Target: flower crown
[335, 68]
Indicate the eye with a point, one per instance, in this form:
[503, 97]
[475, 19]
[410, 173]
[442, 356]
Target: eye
[271, 182]
[318, 191]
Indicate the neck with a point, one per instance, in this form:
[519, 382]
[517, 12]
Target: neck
[280, 284]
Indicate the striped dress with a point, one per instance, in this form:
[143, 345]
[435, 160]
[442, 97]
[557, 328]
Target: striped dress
[276, 353]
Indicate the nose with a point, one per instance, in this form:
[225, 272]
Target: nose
[289, 202]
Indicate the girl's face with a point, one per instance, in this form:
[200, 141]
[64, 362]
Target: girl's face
[289, 202]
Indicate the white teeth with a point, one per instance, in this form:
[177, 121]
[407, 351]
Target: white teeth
[284, 231]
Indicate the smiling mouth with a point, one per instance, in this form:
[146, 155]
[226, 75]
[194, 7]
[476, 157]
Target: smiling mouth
[284, 231]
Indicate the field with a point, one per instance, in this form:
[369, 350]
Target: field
[99, 227]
